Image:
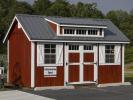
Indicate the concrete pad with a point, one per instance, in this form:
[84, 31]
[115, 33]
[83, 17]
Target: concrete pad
[54, 88]
[19, 95]
[113, 84]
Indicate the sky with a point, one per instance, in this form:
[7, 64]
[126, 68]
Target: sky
[104, 5]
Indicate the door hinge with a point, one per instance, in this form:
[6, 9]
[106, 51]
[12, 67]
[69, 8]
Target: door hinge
[66, 63]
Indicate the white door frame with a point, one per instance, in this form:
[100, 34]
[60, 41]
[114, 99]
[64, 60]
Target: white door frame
[81, 65]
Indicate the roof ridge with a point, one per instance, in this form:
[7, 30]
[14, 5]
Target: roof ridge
[100, 19]
[29, 15]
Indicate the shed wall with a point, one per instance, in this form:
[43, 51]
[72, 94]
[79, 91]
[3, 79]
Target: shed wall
[19, 57]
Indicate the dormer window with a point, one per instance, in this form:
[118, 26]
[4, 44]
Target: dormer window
[80, 32]
[76, 31]
[69, 31]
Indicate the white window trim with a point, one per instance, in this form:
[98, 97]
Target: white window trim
[115, 63]
[47, 65]
[81, 35]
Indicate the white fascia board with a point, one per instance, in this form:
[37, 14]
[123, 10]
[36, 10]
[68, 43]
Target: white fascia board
[85, 26]
[51, 21]
[15, 18]
[58, 41]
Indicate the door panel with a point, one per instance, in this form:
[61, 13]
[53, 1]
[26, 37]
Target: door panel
[88, 57]
[73, 69]
[73, 57]
[73, 73]
[88, 72]
[80, 63]
[88, 68]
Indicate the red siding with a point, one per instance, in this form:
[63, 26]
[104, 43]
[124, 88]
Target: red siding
[40, 80]
[88, 72]
[53, 26]
[19, 57]
[109, 74]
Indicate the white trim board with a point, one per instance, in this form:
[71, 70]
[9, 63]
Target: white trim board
[32, 64]
[83, 26]
[58, 41]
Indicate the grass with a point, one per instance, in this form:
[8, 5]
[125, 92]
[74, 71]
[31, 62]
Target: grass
[129, 78]
[128, 54]
[129, 74]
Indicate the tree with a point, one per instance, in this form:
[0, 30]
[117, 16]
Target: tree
[117, 17]
[88, 10]
[41, 6]
[59, 8]
[23, 8]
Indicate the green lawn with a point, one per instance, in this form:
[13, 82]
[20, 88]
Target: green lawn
[128, 54]
[129, 78]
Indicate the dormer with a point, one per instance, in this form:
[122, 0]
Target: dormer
[76, 27]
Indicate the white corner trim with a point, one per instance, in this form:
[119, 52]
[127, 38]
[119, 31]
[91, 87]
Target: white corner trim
[123, 64]
[66, 70]
[15, 18]
[8, 61]
[32, 64]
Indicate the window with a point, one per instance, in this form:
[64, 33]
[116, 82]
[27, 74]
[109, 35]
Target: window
[49, 53]
[69, 31]
[88, 47]
[73, 47]
[109, 54]
[101, 31]
[81, 32]
[92, 32]
[77, 31]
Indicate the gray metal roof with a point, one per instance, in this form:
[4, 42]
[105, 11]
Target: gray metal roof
[37, 28]
[77, 21]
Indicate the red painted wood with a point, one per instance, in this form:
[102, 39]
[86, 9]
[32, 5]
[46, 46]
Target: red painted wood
[74, 57]
[109, 74]
[88, 57]
[41, 80]
[73, 73]
[88, 69]
[19, 57]
[53, 26]
[88, 72]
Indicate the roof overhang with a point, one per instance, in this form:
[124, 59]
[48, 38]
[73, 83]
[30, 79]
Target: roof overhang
[103, 42]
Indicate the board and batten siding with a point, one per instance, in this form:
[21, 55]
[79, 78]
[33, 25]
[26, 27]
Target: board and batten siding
[40, 79]
[110, 73]
[19, 57]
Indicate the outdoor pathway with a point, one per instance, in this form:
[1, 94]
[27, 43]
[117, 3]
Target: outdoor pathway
[19, 95]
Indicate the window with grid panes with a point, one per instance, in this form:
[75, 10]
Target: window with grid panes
[49, 53]
[109, 54]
